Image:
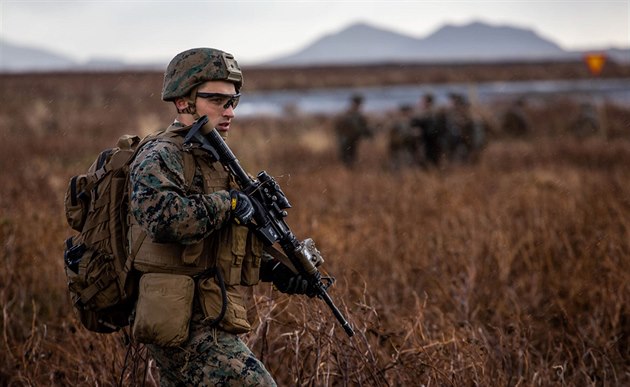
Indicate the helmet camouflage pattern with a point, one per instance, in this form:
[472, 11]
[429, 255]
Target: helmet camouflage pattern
[193, 67]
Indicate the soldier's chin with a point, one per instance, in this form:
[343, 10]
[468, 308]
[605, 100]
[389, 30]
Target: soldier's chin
[223, 133]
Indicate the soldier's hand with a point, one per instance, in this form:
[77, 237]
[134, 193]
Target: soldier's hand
[242, 208]
[288, 282]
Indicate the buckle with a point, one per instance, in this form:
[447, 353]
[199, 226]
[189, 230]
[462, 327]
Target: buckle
[72, 256]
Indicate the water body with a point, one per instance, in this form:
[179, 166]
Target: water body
[383, 99]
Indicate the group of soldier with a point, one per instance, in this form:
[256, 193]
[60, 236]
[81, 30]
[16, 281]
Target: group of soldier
[430, 136]
[423, 137]
[583, 120]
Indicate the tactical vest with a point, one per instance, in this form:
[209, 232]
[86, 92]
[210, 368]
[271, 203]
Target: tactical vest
[233, 249]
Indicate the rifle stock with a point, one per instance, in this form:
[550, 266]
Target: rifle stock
[270, 204]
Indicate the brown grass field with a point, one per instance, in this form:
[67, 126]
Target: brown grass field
[513, 271]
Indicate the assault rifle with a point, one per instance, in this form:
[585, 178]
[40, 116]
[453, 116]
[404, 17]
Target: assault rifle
[270, 205]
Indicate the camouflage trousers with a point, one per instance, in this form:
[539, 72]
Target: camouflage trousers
[210, 357]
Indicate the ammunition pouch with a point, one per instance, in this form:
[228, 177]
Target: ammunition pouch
[164, 309]
[238, 253]
[223, 305]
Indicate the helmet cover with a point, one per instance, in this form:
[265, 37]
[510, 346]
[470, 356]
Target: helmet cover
[193, 67]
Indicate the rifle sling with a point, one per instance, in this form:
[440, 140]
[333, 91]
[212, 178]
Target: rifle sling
[280, 256]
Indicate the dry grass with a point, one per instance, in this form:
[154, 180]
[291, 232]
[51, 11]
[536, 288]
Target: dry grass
[512, 271]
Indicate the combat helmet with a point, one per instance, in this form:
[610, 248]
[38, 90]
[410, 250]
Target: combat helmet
[356, 98]
[193, 67]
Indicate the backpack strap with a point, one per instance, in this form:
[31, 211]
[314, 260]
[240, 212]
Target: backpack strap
[176, 137]
[189, 168]
[103, 281]
[101, 168]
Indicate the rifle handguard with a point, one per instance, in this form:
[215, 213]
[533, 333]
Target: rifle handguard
[309, 257]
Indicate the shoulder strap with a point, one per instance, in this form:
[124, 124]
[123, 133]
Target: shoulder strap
[176, 137]
[189, 168]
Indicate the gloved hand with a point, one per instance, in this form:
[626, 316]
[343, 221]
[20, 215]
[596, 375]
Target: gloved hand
[242, 208]
[288, 282]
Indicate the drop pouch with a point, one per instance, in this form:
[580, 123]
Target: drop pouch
[211, 299]
[164, 309]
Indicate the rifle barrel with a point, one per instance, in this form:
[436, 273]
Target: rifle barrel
[323, 294]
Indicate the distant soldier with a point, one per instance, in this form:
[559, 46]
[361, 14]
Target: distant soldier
[586, 123]
[515, 122]
[404, 140]
[466, 136]
[431, 125]
[350, 128]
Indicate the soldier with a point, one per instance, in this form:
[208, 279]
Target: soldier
[194, 221]
[431, 125]
[404, 140]
[515, 122]
[586, 123]
[466, 136]
[350, 128]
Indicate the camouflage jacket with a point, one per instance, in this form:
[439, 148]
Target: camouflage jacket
[352, 125]
[161, 203]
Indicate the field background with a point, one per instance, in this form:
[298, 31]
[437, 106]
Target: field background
[513, 271]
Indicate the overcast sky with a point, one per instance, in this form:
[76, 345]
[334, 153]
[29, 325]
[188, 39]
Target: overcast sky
[255, 31]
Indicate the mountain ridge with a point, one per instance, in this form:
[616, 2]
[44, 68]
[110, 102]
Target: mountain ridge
[470, 42]
[359, 43]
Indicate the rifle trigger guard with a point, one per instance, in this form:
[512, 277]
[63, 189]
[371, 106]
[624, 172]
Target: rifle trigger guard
[327, 281]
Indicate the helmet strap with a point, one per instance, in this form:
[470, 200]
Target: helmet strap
[191, 108]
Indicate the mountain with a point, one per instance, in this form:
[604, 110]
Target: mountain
[479, 41]
[362, 43]
[619, 54]
[357, 43]
[18, 58]
[14, 58]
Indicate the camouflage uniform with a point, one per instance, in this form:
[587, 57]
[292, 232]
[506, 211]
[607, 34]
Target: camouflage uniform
[515, 122]
[404, 140]
[171, 212]
[210, 357]
[432, 128]
[586, 123]
[350, 127]
[161, 204]
[466, 136]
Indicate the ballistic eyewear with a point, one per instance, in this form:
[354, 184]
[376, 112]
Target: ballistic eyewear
[220, 99]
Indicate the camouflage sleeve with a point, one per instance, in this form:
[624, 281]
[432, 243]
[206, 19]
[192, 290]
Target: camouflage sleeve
[159, 201]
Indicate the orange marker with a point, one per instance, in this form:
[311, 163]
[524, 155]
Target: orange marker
[595, 62]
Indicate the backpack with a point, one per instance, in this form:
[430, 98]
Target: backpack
[98, 260]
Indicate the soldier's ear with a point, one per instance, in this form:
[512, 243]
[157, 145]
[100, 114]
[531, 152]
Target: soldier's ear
[181, 104]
